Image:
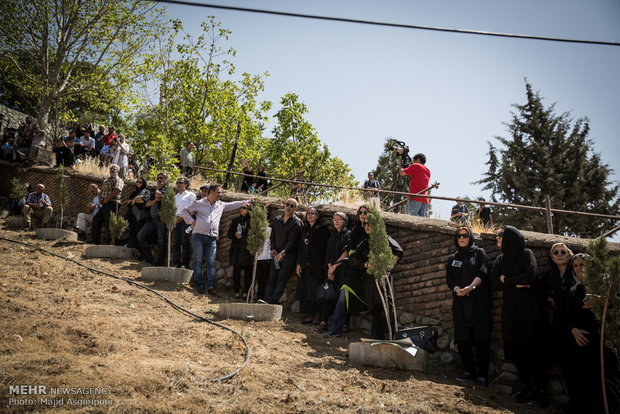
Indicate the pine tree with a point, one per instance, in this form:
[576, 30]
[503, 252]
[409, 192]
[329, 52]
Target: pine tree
[602, 279]
[117, 226]
[61, 192]
[550, 154]
[380, 262]
[168, 216]
[257, 235]
[386, 173]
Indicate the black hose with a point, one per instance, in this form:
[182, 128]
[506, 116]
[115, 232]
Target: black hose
[173, 304]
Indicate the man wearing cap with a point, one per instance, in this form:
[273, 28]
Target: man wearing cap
[372, 182]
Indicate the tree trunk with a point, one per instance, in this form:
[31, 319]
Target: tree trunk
[602, 347]
[250, 298]
[169, 247]
[385, 309]
[393, 304]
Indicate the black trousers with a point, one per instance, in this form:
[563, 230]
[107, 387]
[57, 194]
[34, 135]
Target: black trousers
[180, 245]
[102, 217]
[262, 276]
[279, 278]
[247, 278]
[483, 354]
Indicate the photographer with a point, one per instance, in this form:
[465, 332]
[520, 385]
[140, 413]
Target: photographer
[420, 176]
[121, 149]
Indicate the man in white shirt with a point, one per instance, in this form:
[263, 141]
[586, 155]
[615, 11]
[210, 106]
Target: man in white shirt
[85, 220]
[87, 143]
[180, 238]
[120, 151]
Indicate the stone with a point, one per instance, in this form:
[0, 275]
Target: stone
[295, 307]
[4, 214]
[509, 376]
[55, 234]
[406, 318]
[221, 273]
[109, 251]
[257, 311]
[166, 274]
[426, 321]
[509, 367]
[387, 355]
[218, 264]
[446, 358]
[443, 342]
[453, 346]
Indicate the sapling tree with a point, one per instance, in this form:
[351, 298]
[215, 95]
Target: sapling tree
[602, 279]
[257, 235]
[117, 226]
[168, 216]
[61, 192]
[380, 262]
[17, 192]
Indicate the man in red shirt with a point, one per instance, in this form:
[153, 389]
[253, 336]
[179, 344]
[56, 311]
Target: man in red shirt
[420, 176]
[107, 139]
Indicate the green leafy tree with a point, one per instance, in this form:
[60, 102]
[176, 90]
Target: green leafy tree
[257, 235]
[296, 147]
[168, 215]
[79, 47]
[118, 224]
[550, 154]
[380, 263]
[17, 188]
[602, 279]
[387, 174]
[61, 192]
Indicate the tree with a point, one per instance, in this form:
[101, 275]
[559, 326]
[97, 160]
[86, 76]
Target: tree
[61, 192]
[380, 262]
[602, 279]
[168, 216]
[296, 147]
[79, 46]
[387, 174]
[257, 235]
[118, 224]
[550, 154]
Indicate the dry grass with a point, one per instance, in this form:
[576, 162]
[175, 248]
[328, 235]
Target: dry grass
[91, 166]
[62, 325]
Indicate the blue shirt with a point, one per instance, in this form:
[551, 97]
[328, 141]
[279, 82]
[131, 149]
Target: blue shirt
[35, 198]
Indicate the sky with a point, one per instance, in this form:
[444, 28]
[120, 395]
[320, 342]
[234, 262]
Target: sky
[444, 94]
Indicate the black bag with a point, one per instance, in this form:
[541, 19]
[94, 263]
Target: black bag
[424, 337]
[327, 291]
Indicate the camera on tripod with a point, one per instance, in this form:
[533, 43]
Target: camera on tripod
[401, 149]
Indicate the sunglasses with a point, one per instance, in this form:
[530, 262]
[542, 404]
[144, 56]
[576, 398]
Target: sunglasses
[500, 234]
[291, 205]
[362, 213]
[311, 213]
[180, 182]
[244, 208]
[560, 252]
[462, 236]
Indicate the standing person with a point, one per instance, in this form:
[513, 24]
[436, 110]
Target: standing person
[468, 279]
[261, 183]
[248, 182]
[239, 256]
[420, 176]
[180, 237]
[99, 138]
[85, 220]
[186, 159]
[358, 233]
[460, 213]
[121, 149]
[284, 239]
[338, 247]
[136, 211]
[484, 215]
[38, 204]
[109, 137]
[206, 226]
[515, 273]
[110, 198]
[375, 199]
[153, 224]
[310, 269]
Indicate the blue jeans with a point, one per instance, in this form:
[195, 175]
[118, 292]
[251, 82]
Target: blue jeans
[340, 313]
[204, 246]
[417, 208]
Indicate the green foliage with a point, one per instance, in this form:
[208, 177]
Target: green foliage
[380, 259]
[258, 228]
[61, 191]
[117, 226]
[168, 209]
[17, 188]
[296, 147]
[602, 278]
[387, 174]
[550, 154]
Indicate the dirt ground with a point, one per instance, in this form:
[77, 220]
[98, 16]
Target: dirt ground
[127, 350]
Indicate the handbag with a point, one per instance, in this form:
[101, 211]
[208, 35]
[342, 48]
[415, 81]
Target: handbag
[326, 291]
[424, 337]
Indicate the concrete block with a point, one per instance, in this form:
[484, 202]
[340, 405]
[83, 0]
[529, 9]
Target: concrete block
[254, 311]
[109, 251]
[406, 318]
[55, 234]
[387, 355]
[166, 274]
[4, 214]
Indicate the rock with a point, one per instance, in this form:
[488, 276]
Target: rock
[446, 358]
[509, 376]
[257, 311]
[4, 214]
[218, 264]
[509, 367]
[443, 342]
[453, 346]
[109, 251]
[295, 307]
[426, 321]
[55, 234]
[166, 274]
[221, 273]
[406, 318]
[387, 355]
[229, 272]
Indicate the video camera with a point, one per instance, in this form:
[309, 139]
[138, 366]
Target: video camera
[401, 149]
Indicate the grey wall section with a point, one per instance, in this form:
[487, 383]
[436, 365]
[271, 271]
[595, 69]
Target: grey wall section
[419, 278]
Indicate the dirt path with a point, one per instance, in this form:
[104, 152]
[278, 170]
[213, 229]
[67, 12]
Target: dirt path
[64, 326]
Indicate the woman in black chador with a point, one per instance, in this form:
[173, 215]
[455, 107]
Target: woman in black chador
[239, 256]
[467, 277]
[515, 273]
[310, 265]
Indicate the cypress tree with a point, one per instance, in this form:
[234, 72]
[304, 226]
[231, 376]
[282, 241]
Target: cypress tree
[257, 235]
[117, 226]
[61, 192]
[168, 216]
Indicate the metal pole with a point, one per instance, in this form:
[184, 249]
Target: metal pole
[548, 214]
[610, 232]
[232, 157]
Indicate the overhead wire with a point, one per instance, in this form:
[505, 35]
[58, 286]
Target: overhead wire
[388, 24]
[153, 291]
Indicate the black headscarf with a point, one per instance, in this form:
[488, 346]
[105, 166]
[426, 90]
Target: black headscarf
[470, 246]
[139, 191]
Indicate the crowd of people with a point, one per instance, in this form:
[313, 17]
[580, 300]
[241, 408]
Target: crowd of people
[544, 319]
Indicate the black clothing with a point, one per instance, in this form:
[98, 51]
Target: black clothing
[485, 216]
[472, 314]
[239, 256]
[338, 243]
[521, 319]
[247, 181]
[357, 235]
[136, 214]
[284, 236]
[261, 183]
[64, 156]
[311, 258]
[555, 286]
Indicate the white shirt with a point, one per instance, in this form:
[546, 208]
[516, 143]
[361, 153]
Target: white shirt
[119, 157]
[266, 253]
[88, 142]
[183, 200]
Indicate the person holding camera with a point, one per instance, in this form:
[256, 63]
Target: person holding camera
[420, 176]
[120, 151]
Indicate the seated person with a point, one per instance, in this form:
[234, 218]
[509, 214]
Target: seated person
[85, 220]
[38, 204]
[64, 154]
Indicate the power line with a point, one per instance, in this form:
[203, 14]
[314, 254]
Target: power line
[386, 24]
